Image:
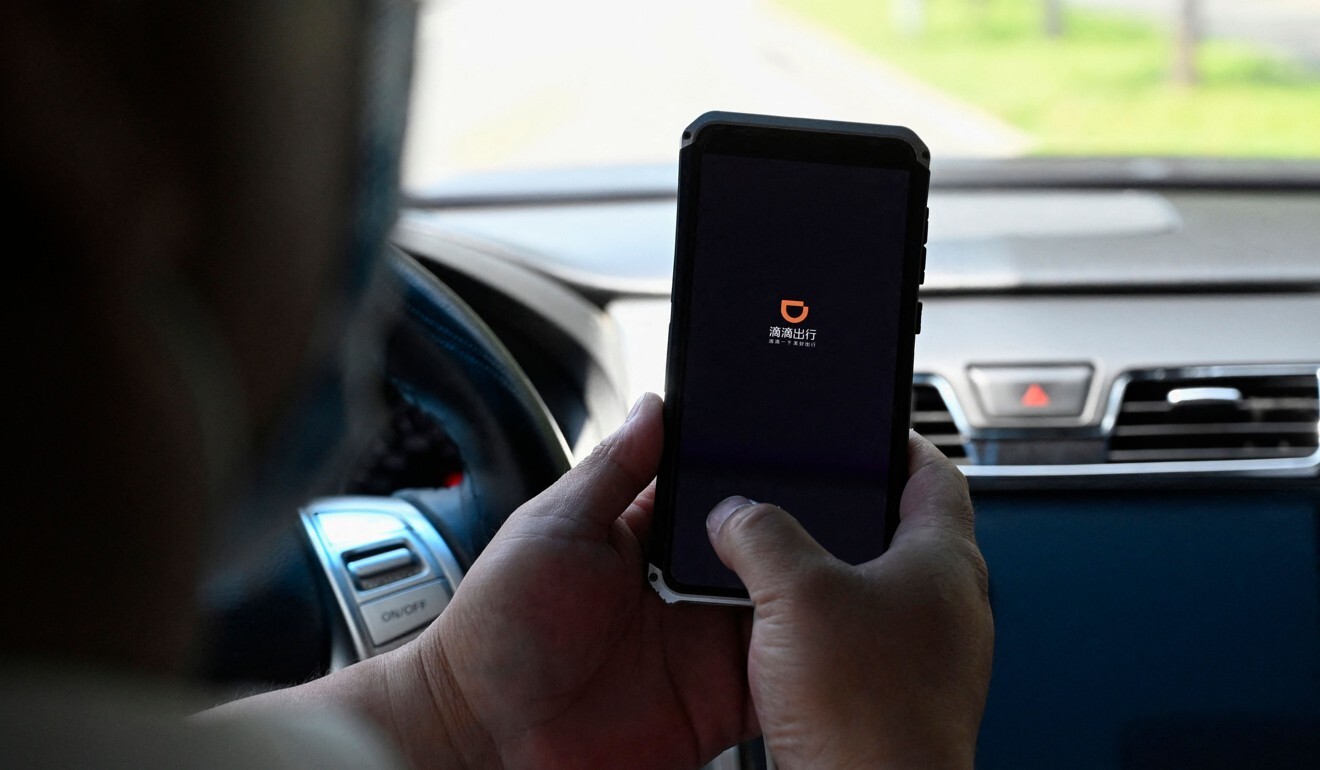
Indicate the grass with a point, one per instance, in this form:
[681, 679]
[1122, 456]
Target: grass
[1103, 88]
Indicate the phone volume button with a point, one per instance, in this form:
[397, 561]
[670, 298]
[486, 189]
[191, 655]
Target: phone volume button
[918, 324]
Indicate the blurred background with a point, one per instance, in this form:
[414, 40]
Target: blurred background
[527, 84]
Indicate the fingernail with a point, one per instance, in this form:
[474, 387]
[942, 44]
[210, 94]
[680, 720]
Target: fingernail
[723, 509]
[636, 407]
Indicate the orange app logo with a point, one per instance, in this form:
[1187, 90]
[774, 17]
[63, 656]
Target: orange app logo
[784, 306]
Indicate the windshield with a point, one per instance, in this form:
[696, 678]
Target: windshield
[528, 84]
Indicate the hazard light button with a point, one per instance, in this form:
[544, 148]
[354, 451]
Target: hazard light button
[1031, 391]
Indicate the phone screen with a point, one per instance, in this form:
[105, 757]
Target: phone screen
[791, 353]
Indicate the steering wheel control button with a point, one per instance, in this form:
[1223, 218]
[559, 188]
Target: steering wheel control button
[350, 528]
[382, 567]
[1031, 391]
[389, 569]
[408, 610]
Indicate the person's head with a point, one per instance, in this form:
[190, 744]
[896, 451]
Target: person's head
[194, 192]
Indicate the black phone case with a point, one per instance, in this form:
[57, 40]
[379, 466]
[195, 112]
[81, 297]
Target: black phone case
[909, 325]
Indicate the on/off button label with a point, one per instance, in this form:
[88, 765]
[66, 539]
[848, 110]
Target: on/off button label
[406, 611]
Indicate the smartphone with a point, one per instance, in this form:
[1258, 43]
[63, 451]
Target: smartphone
[799, 252]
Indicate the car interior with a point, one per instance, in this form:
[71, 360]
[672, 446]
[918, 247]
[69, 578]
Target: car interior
[1121, 353]
[1149, 517]
[1150, 525]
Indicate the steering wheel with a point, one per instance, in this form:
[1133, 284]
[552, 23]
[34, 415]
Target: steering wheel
[362, 574]
[444, 360]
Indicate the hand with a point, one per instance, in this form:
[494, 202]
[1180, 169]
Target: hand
[555, 652]
[886, 664]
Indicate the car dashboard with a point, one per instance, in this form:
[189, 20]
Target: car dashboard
[1123, 360]
[1157, 330]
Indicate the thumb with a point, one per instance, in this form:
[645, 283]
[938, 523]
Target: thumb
[594, 493]
[762, 543]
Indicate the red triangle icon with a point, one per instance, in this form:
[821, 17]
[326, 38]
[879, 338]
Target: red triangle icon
[1035, 397]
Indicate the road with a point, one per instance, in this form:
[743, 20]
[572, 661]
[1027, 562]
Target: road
[512, 83]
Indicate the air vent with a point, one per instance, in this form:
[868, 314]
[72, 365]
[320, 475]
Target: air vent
[1250, 417]
[931, 418]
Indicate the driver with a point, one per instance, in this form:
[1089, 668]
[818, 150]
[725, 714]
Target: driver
[201, 192]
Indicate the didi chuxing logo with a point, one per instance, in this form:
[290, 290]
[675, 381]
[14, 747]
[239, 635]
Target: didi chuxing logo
[787, 306]
[795, 312]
